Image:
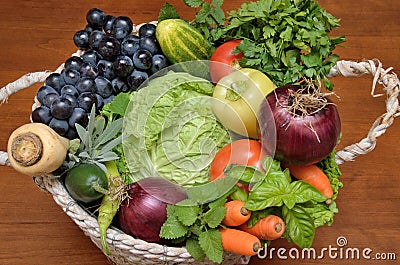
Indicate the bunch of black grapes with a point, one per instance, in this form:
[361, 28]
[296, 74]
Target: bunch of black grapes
[112, 60]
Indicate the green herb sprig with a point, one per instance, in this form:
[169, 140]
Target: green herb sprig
[195, 221]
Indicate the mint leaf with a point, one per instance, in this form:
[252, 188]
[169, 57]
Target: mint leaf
[300, 227]
[187, 214]
[172, 228]
[214, 216]
[211, 243]
[168, 11]
[195, 250]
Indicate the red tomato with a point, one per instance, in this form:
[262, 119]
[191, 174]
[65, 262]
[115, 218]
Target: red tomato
[223, 61]
[241, 152]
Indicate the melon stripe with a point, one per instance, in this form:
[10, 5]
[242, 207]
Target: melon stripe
[181, 42]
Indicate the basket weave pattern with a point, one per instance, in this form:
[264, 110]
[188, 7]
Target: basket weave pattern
[127, 250]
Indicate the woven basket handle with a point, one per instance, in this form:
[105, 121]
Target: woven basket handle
[21, 83]
[384, 77]
[391, 86]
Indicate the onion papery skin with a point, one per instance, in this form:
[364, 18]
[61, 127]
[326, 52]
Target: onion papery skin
[300, 140]
[143, 213]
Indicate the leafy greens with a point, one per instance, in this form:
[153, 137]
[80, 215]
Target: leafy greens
[286, 39]
[302, 207]
[173, 131]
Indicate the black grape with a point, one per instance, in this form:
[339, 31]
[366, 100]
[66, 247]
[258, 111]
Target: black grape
[61, 108]
[43, 91]
[123, 66]
[55, 81]
[86, 100]
[60, 126]
[81, 39]
[79, 116]
[41, 114]
[96, 18]
[103, 86]
[142, 59]
[147, 30]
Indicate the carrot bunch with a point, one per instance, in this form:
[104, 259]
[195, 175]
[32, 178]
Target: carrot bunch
[237, 216]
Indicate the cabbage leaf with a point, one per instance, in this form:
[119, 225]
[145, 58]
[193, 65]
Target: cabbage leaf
[173, 132]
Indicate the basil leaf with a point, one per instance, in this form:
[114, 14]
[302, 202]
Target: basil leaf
[300, 227]
[270, 193]
[303, 192]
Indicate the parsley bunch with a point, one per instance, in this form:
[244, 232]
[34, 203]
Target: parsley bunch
[288, 40]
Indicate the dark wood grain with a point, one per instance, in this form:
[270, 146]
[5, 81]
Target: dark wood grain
[37, 35]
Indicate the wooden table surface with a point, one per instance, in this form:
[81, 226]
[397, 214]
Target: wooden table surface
[37, 35]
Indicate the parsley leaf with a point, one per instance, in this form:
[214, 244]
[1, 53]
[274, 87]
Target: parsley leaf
[193, 3]
[168, 11]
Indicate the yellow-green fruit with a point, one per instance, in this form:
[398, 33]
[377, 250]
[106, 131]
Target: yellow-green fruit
[181, 42]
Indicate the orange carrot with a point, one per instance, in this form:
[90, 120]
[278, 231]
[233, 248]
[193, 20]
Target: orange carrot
[315, 177]
[236, 214]
[270, 227]
[239, 242]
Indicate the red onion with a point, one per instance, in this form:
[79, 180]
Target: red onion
[298, 137]
[143, 213]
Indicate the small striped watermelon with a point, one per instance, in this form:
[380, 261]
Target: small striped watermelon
[181, 42]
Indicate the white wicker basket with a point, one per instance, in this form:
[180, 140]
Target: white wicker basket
[128, 250]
